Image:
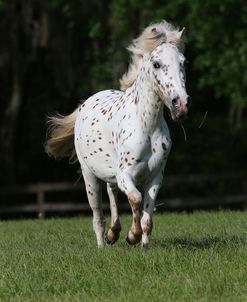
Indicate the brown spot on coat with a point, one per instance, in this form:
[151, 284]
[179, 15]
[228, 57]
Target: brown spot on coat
[164, 146]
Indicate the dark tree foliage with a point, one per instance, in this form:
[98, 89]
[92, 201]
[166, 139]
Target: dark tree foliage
[55, 53]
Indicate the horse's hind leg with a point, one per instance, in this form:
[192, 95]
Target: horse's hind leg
[115, 228]
[94, 194]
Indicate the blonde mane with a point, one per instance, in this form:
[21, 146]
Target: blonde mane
[152, 36]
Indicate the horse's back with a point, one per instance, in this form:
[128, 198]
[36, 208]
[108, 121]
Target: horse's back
[100, 100]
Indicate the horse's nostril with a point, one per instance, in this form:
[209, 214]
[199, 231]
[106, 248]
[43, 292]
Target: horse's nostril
[174, 101]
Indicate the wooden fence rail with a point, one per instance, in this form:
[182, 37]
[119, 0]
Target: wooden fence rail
[40, 205]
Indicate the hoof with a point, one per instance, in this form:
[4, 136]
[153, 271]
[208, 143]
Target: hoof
[111, 237]
[145, 247]
[133, 239]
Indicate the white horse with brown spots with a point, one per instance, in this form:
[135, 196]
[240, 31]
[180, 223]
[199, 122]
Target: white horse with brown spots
[121, 137]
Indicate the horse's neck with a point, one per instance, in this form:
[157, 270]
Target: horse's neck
[149, 106]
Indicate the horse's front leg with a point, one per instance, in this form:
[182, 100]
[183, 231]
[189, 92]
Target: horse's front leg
[151, 191]
[126, 184]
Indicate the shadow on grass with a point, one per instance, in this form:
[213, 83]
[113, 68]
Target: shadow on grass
[202, 243]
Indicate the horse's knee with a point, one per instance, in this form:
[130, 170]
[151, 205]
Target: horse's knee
[135, 199]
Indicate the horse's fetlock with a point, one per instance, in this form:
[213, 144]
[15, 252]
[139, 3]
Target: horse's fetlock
[113, 234]
[133, 237]
[147, 226]
[116, 227]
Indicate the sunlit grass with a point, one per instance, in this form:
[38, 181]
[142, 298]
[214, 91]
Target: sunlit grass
[196, 257]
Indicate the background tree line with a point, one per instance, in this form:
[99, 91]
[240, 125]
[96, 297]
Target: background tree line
[55, 53]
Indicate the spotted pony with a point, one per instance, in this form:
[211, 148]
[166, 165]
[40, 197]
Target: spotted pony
[122, 138]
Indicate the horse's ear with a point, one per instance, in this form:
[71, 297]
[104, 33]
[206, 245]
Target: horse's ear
[178, 39]
[180, 34]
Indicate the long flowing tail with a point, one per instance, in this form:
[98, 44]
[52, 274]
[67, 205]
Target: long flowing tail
[60, 142]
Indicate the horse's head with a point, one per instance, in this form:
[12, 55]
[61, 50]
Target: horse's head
[167, 65]
[161, 45]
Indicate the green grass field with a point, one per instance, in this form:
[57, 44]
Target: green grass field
[193, 257]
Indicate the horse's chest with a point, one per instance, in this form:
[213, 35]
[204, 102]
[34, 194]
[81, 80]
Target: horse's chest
[152, 161]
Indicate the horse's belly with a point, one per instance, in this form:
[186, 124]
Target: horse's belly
[96, 150]
[100, 160]
[103, 171]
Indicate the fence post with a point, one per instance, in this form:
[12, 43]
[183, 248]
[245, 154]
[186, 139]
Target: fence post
[40, 201]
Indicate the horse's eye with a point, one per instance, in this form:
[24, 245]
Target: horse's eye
[156, 65]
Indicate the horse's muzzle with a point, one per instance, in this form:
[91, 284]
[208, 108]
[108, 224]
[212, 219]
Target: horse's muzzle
[179, 115]
[179, 109]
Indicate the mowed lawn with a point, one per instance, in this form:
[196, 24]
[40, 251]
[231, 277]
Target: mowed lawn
[193, 257]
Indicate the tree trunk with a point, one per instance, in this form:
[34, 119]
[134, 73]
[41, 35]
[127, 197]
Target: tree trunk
[235, 117]
[11, 112]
